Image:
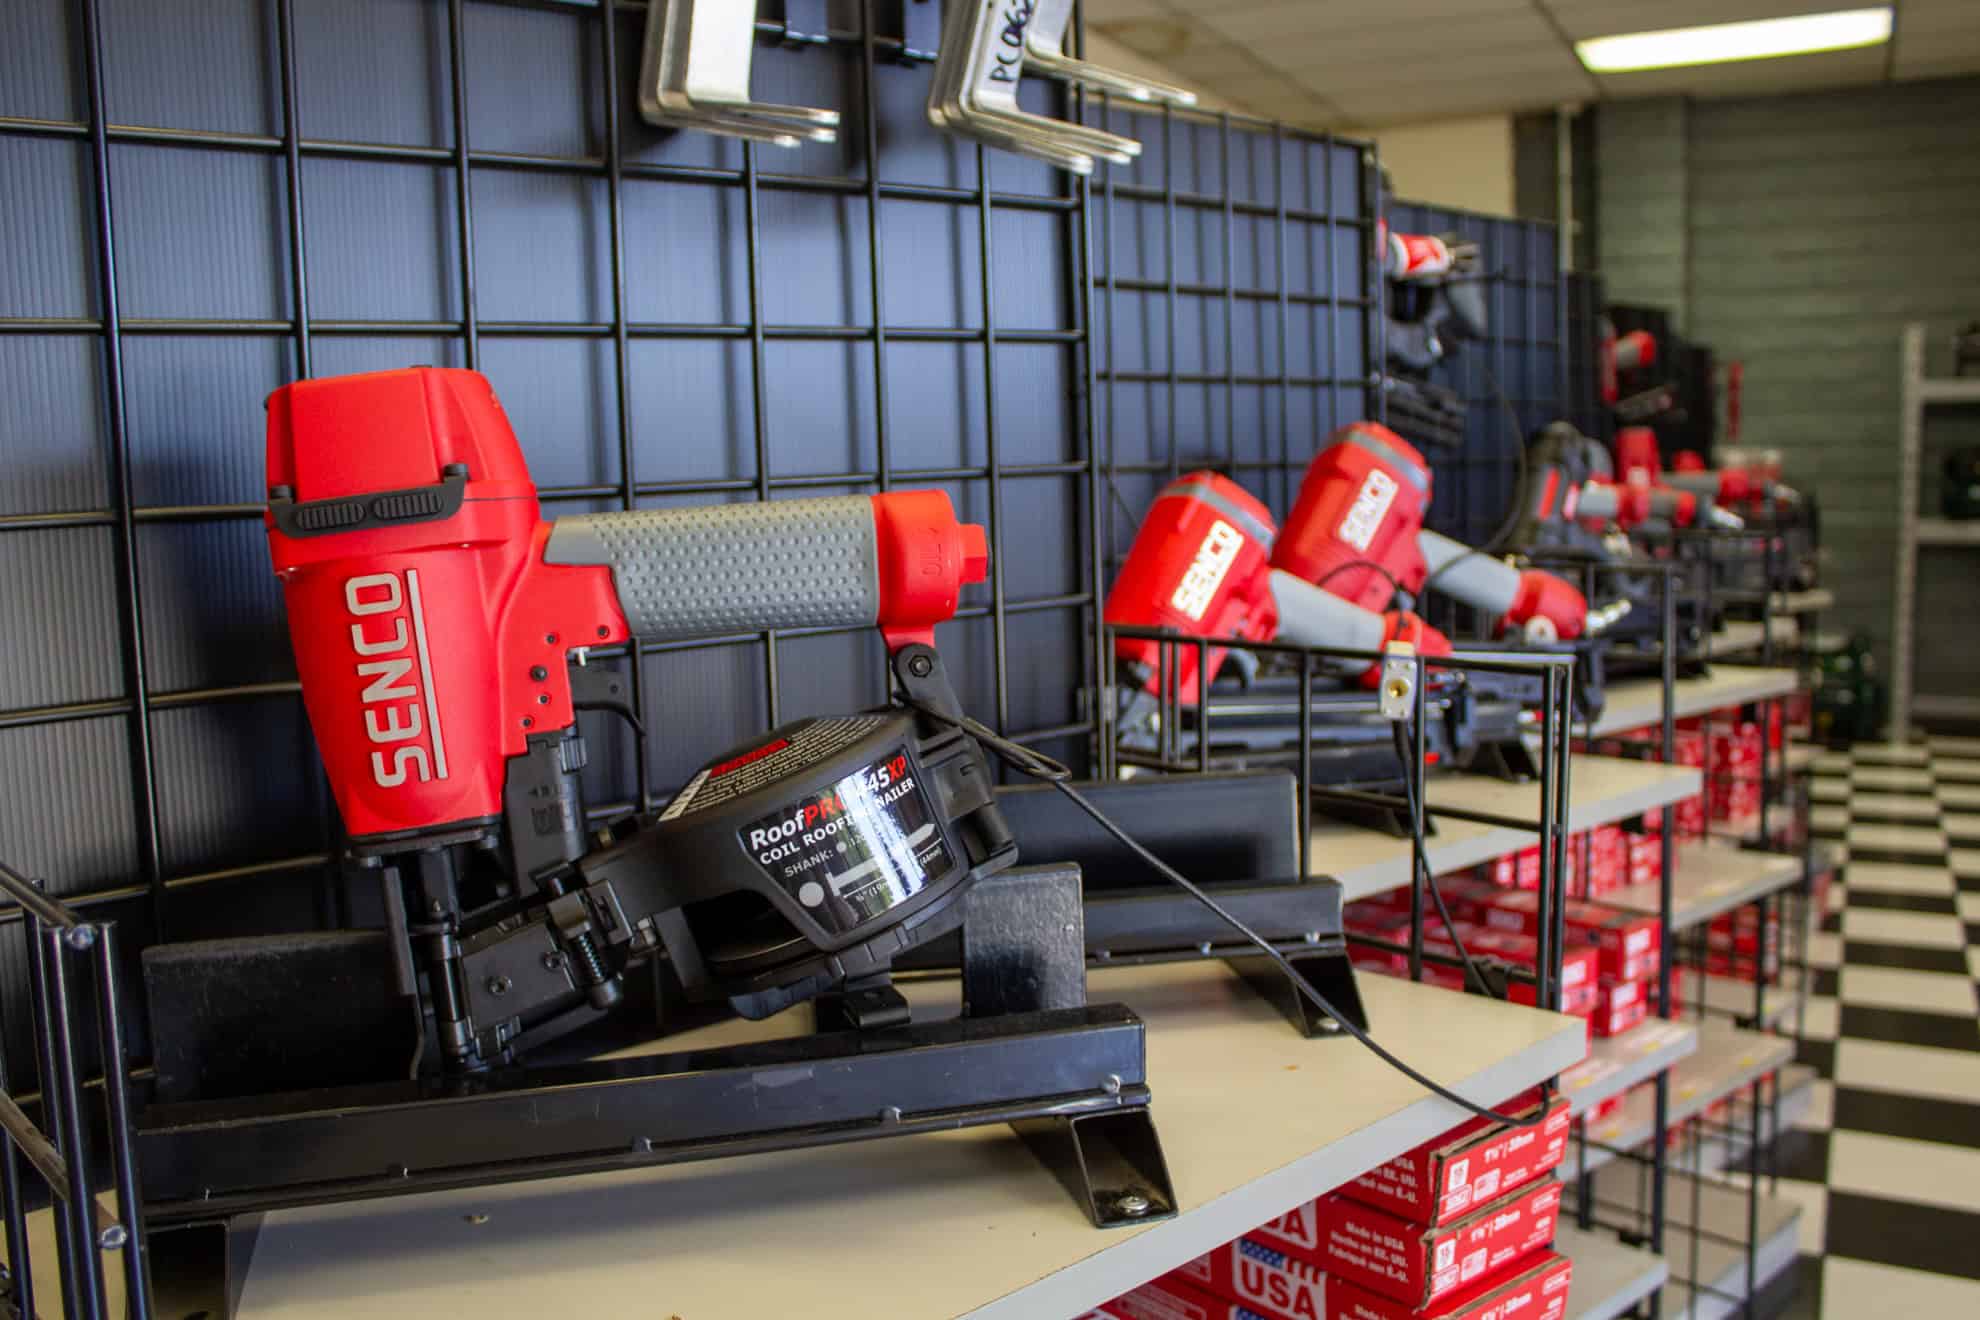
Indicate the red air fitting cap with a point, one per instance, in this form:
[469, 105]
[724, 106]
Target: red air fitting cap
[925, 556]
[975, 553]
[1404, 626]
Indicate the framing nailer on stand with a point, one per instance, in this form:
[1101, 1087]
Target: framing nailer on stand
[1199, 568]
[1357, 530]
[441, 631]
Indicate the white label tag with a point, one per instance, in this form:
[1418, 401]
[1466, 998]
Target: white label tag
[1378, 492]
[1207, 571]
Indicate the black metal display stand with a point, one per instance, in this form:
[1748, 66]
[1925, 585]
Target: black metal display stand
[1402, 698]
[1028, 1050]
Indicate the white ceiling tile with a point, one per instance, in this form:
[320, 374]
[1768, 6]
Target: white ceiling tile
[1381, 62]
[1208, 58]
[1923, 66]
[1425, 74]
[1099, 10]
[1754, 77]
[1375, 111]
[1601, 18]
[1936, 24]
[1344, 18]
[1402, 41]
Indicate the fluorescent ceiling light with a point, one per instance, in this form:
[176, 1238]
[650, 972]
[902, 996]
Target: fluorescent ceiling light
[1718, 43]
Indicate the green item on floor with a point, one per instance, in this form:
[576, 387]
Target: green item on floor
[1849, 696]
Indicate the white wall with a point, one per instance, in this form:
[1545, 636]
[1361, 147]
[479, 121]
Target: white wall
[1451, 162]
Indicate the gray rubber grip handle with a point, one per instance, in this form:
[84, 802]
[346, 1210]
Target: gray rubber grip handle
[729, 568]
[1310, 616]
[1479, 580]
[1705, 485]
[1597, 502]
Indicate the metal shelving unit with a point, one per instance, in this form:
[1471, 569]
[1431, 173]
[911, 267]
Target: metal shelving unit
[1917, 392]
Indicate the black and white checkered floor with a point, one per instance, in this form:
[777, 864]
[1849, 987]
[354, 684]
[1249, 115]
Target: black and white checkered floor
[1886, 1165]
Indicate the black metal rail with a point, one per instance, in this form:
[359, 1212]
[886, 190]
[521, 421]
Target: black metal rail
[84, 1226]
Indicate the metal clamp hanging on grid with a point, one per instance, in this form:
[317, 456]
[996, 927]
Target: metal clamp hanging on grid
[694, 73]
[1045, 51]
[985, 45]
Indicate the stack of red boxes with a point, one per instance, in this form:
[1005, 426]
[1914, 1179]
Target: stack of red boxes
[1690, 750]
[1628, 945]
[1733, 947]
[1608, 861]
[1733, 777]
[1501, 923]
[1597, 864]
[1646, 850]
[1798, 713]
[1458, 1229]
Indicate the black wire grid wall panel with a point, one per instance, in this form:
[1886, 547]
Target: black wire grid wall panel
[1232, 305]
[1524, 353]
[204, 200]
[1584, 406]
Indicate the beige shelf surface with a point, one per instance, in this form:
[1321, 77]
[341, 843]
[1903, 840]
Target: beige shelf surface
[1609, 1277]
[1253, 1120]
[1636, 702]
[1616, 1063]
[1712, 876]
[1602, 789]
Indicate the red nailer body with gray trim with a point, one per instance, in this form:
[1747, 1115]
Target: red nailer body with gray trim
[1357, 530]
[1201, 566]
[434, 611]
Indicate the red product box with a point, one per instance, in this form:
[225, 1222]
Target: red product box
[1628, 940]
[1420, 1265]
[1646, 858]
[1170, 1297]
[1605, 1108]
[1580, 965]
[1539, 1291]
[1528, 876]
[1619, 1006]
[1271, 1282]
[1474, 1161]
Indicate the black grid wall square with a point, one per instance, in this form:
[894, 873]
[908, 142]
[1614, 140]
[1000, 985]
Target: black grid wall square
[1585, 407]
[1514, 381]
[1232, 322]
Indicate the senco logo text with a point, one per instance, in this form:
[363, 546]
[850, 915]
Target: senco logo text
[1370, 507]
[1206, 572]
[388, 631]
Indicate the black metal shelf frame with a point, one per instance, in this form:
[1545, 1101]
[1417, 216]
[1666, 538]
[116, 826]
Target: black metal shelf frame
[1555, 673]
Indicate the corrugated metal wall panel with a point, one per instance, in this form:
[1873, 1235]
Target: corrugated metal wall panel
[1642, 201]
[1818, 226]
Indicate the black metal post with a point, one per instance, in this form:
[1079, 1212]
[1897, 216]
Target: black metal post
[62, 1092]
[117, 1111]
